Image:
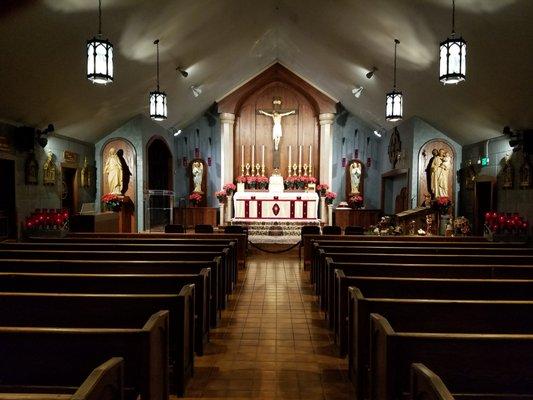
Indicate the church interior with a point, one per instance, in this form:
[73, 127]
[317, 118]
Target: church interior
[285, 199]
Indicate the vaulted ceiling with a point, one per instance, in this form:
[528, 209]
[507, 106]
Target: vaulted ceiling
[223, 43]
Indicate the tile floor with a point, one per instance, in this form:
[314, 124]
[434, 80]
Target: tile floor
[272, 342]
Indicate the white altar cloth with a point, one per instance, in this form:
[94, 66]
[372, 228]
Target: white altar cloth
[276, 206]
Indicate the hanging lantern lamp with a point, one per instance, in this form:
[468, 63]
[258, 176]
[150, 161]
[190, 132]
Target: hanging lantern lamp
[99, 56]
[158, 99]
[452, 57]
[394, 100]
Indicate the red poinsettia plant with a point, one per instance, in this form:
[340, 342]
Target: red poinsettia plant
[330, 196]
[355, 201]
[229, 188]
[322, 189]
[111, 201]
[261, 182]
[222, 196]
[442, 204]
[241, 179]
[195, 198]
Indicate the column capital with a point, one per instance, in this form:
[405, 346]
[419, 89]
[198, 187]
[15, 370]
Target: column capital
[227, 118]
[326, 118]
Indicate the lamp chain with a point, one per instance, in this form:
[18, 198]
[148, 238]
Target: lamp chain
[396, 42]
[157, 46]
[99, 17]
[453, 17]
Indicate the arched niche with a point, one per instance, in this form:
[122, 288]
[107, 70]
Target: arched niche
[426, 158]
[159, 158]
[129, 158]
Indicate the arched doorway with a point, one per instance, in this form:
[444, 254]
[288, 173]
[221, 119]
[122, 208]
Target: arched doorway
[159, 165]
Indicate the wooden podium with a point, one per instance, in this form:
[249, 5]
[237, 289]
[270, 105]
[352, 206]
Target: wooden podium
[361, 217]
[192, 216]
[126, 215]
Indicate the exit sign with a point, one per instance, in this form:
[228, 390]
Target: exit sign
[484, 161]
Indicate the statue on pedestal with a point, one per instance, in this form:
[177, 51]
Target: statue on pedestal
[197, 176]
[113, 170]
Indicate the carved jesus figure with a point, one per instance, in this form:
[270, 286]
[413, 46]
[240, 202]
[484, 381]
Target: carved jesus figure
[276, 129]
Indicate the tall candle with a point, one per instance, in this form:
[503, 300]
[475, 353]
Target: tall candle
[290, 155]
[263, 155]
[253, 155]
[300, 156]
[242, 156]
[310, 157]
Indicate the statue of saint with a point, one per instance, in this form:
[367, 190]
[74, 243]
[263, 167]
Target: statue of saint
[113, 170]
[440, 169]
[276, 129]
[197, 176]
[49, 169]
[126, 173]
[355, 177]
[434, 154]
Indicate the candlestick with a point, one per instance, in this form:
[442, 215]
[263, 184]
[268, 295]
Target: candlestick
[253, 158]
[310, 159]
[290, 159]
[300, 160]
[263, 157]
[294, 169]
[305, 169]
[242, 159]
[247, 169]
[257, 169]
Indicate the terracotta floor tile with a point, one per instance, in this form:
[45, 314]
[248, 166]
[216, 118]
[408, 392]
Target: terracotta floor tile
[272, 341]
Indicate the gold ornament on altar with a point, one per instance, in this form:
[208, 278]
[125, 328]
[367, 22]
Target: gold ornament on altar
[305, 169]
[257, 169]
[294, 170]
[263, 170]
[247, 169]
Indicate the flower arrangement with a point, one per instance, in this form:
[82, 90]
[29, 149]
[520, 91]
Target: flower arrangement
[330, 196]
[322, 189]
[229, 188]
[355, 201]
[298, 182]
[47, 220]
[442, 204]
[111, 201]
[195, 198]
[241, 179]
[261, 182]
[222, 196]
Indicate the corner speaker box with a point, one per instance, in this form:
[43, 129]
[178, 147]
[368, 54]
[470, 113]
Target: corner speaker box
[24, 138]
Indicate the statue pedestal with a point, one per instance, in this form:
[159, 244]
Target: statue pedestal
[229, 209]
[323, 211]
[126, 215]
[221, 214]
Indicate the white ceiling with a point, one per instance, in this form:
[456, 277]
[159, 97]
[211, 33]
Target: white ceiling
[222, 43]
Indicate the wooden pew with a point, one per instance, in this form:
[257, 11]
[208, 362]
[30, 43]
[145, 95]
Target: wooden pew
[326, 276]
[110, 311]
[119, 284]
[73, 352]
[105, 382]
[108, 255]
[502, 363]
[122, 267]
[226, 248]
[240, 238]
[400, 241]
[428, 315]
[419, 288]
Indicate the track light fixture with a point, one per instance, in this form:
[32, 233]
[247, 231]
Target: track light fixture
[370, 73]
[357, 91]
[196, 91]
[183, 73]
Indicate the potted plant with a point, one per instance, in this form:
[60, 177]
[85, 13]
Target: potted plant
[442, 204]
[289, 182]
[195, 198]
[322, 189]
[262, 182]
[111, 202]
[355, 201]
[330, 196]
[229, 188]
[221, 196]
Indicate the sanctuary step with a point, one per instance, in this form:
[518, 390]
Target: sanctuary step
[274, 231]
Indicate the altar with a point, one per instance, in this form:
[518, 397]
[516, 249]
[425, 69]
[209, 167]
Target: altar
[301, 206]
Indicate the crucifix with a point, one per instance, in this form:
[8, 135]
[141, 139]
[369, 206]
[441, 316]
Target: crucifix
[276, 114]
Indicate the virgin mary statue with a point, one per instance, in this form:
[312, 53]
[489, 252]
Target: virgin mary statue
[113, 170]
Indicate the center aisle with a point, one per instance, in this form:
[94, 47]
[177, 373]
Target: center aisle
[272, 342]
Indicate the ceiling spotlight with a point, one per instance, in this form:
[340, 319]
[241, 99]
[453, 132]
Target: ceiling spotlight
[357, 91]
[177, 133]
[377, 133]
[183, 73]
[370, 73]
[196, 91]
